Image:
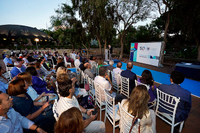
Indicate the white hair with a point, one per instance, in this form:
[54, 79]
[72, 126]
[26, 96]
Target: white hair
[111, 62]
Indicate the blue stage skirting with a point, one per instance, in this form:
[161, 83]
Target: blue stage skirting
[163, 78]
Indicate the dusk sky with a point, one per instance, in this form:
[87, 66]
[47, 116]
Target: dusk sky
[33, 13]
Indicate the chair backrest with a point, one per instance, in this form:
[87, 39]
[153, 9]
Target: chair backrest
[126, 121]
[166, 103]
[110, 104]
[115, 80]
[139, 83]
[91, 83]
[99, 93]
[125, 86]
[55, 114]
[94, 68]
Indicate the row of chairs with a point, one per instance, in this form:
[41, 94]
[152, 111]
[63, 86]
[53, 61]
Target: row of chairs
[165, 101]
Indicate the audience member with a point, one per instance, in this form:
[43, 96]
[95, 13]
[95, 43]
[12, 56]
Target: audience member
[26, 62]
[12, 121]
[70, 121]
[22, 103]
[110, 67]
[147, 79]
[137, 105]
[30, 58]
[88, 70]
[39, 84]
[117, 71]
[2, 78]
[68, 100]
[77, 62]
[30, 91]
[8, 62]
[130, 75]
[61, 70]
[18, 68]
[184, 106]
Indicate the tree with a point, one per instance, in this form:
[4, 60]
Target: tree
[129, 12]
[97, 17]
[187, 17]
[164, 8]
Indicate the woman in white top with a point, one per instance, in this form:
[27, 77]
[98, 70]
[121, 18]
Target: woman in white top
[137, 105]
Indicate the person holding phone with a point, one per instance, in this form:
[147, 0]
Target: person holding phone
[68, 100]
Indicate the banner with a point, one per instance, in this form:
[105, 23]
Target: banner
[148, 53]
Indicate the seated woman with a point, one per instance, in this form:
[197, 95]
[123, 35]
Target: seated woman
[39, 84]
[38, 99]
[137, 105]
[22, 103]
[68, 59]
[148, 80]
[70, 121]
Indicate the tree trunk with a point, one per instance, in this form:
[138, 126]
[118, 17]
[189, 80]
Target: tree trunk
[98, 38]
[198, 49]
[122, 45]
[105, 46]
[165, 37]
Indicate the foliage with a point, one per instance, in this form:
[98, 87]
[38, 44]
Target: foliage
[188, 53]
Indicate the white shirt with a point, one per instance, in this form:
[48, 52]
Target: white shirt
[65, 103]
[77, 63]
[25, 61]
[103, 82]
[104, 85]
[117, 72]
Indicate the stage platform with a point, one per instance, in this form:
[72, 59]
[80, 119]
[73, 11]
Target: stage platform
[163, 78]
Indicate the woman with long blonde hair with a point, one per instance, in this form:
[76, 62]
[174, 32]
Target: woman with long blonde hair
[137, 105]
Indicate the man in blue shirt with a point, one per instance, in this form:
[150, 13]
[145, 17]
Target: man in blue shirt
[175, 89]
[8, 62]
[10, 120]
[19, 68]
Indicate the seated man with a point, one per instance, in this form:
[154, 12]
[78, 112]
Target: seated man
[77, 62]
[88, 70]
[117, 72]
[129, 74]
[8, 62]
[18, 68]
[175, 89]
[110, 67]
[68, 100]
[10, 120]
[107, 85]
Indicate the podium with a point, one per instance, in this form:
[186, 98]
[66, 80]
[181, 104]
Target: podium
[106, 54]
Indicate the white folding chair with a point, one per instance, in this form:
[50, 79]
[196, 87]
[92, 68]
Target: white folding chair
[94, 68]
[151, 104]
[125, 86]
[99, 97]
[111, 110]
[55, 114]
[7, 75]
[126, 121]
[115, 81]
[92, 89]
[168, 103]
[67, 63]
[139, 83]
[78, 73]
[54, 65]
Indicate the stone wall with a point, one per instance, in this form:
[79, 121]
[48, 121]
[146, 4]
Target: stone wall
[93, 51]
